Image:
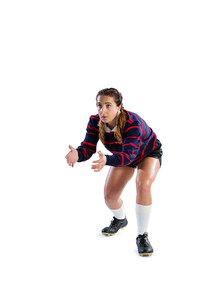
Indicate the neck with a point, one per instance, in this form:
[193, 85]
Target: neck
[112, 124]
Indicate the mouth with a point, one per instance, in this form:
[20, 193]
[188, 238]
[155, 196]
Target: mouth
[104, 117]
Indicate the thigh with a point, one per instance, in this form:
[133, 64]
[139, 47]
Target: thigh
[117, 179]
[147, 170]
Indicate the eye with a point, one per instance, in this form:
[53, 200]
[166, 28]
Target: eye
[108, 106]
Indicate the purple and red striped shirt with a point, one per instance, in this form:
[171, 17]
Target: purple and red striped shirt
[139, 140]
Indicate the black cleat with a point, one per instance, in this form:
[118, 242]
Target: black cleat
[144, 246]
[115, 225]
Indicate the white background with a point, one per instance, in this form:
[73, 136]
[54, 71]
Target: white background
[55, 56]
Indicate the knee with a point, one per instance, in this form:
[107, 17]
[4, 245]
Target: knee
[107, 195]
[110, 197]
[143, 185]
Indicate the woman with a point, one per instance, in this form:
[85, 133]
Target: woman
[133, 144]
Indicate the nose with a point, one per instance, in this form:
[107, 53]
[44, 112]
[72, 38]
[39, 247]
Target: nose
[103, 110]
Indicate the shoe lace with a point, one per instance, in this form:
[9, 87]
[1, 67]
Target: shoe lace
[144, 239]
[113, 222]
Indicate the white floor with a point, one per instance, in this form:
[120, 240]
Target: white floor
[51, 242]
[55, 56]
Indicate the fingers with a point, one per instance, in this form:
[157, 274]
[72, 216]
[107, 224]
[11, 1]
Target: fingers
[69, 161]
[100, 156]
[69, 157]
[71, 164]
[98, 164]
[97, 161]
[96, 168]
[71, 148]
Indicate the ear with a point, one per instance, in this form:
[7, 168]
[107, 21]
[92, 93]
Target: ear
[118, 108]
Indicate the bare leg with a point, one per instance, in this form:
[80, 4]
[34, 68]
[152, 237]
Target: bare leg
[115, 183]
[146, 174]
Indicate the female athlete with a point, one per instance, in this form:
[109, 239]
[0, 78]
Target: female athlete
[134, 146]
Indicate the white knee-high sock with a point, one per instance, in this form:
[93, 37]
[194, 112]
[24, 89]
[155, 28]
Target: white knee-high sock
[119, 214]
[143, 217]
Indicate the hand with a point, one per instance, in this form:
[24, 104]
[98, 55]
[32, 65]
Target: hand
[100, 163]
[72, 156]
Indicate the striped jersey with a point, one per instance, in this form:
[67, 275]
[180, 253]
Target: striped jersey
[139, 140]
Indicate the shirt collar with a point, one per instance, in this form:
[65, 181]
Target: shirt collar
[107, 129]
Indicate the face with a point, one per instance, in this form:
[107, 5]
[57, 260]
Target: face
[107, 110]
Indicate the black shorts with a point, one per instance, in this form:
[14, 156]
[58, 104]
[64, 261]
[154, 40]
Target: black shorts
[156, 153]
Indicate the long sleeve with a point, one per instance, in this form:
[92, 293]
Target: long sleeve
[88, 146]
[138, 141]
[132, 141]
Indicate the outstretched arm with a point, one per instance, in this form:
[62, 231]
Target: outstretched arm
[88, 146]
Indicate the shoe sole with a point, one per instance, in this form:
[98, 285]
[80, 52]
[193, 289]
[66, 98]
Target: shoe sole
[111, 234]
[146, 254]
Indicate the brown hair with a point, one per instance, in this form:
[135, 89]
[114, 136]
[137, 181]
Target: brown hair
[122, 118]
